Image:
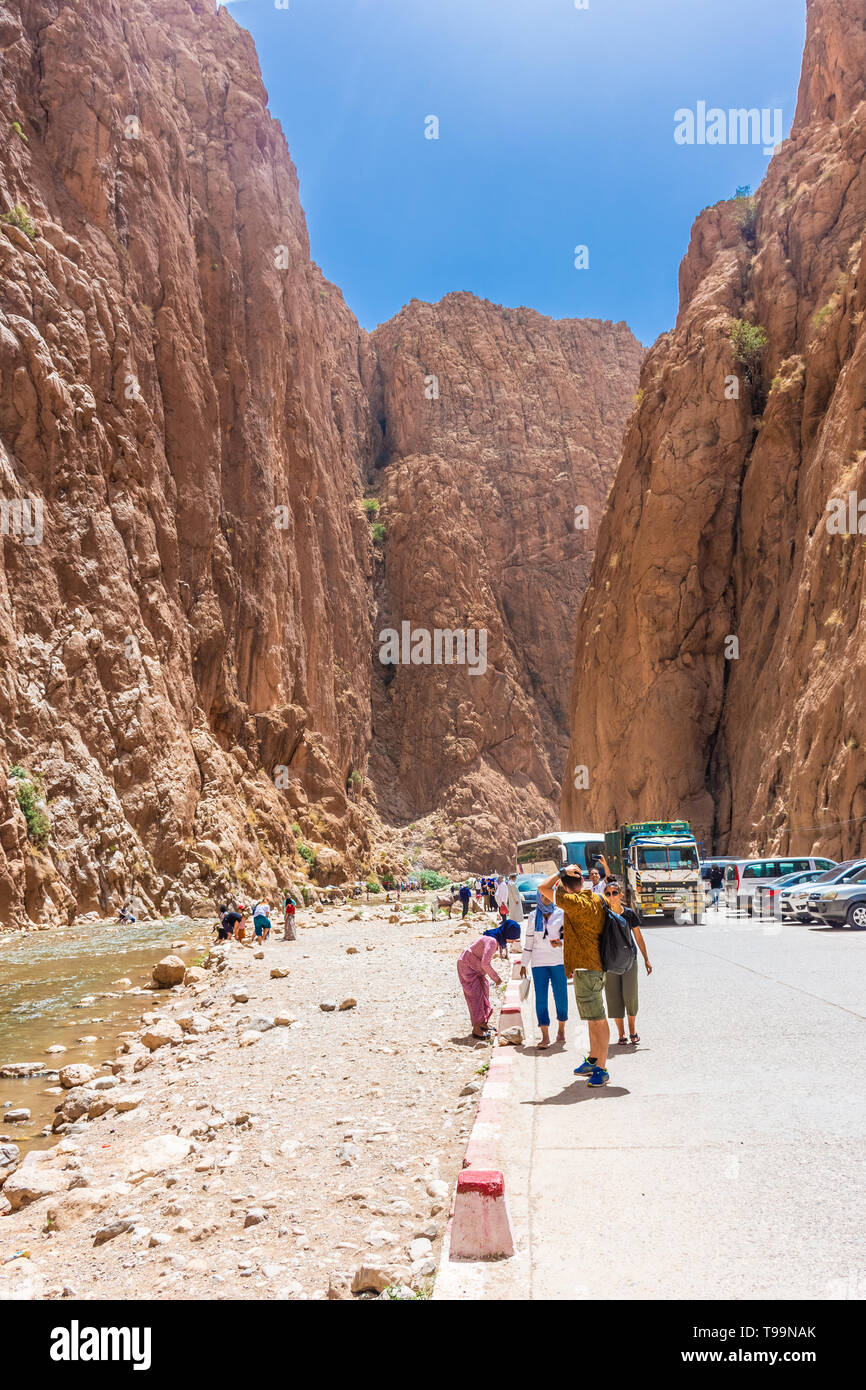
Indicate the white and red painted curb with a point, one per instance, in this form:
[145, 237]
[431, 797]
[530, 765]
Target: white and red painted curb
[480, 1225]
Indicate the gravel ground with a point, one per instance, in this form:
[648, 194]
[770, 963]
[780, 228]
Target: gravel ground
[316, 1147]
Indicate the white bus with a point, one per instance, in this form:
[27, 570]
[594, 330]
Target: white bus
[539, 858]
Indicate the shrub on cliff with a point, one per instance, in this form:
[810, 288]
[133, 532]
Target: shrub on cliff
[749, 341]
[19, 217]
[28, 791]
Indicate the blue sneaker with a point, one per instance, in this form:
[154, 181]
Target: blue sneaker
[586, 1068]
[600, 1077]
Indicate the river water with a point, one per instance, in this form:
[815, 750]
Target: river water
[44, 976]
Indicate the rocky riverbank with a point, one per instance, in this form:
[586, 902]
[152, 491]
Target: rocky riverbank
[287, 1121]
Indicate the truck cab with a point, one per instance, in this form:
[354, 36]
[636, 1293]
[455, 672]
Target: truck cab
[660, 867]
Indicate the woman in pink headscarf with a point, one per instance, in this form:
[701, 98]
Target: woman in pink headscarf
[475, 971]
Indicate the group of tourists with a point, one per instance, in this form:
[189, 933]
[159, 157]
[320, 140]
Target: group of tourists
[232, 925]
[564, 939]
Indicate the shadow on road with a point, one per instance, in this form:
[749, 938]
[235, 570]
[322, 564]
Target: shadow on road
[579, 1091]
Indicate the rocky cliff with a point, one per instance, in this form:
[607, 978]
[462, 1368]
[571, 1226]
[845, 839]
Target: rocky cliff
[720, 657]
[190, 417]
[501, 430]
[185, 653]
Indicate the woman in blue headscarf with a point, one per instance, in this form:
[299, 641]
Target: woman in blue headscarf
[508, 930]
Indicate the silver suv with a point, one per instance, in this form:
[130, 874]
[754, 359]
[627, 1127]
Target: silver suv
[743, 877]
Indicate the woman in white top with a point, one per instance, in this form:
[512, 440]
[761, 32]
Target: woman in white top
[542, 952]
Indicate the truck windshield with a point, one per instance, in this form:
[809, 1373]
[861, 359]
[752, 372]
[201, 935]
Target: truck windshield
[667, 857]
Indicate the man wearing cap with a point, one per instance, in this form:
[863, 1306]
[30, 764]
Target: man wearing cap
[583, 919]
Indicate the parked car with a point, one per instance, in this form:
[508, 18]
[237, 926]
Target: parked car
[744, 876]
[527, 885]
[770, 897]
[799, 899]
[841, 903]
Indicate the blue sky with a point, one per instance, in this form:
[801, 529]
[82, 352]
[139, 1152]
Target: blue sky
[555, 130]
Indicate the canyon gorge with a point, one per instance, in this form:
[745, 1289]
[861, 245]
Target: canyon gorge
[191, 695]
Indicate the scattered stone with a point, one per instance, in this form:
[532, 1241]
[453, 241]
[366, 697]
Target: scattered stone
[142, 1061]
[56, 1047]
[194, 975]
[9, 1156]
[179, 945]
[169, 971]
[161, 1035]
[19, 1116]
[349, 1003]
[420, 1249]
[100, 1106]
[240, 996]
[347, 1153]
[279, 972]
[339, 1286]
[258, 955]
[328, 1007]
[158, 1238]
[249, 1038]
[28, 1183]
[437, 1188]
[111, 1231]
[255, 1216]
[22, 1069]
[471, 1088]
[77, 1074]
[262, 1024]
[123, 983]
[156, 1155]
[284, 1020]
[351, 950]
[371, 1278]
[430, 1230]
[104, 1083]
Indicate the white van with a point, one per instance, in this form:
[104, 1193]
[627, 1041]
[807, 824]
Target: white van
[744, 876]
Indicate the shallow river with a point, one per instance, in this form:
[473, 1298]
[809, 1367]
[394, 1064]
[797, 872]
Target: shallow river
[43, 979]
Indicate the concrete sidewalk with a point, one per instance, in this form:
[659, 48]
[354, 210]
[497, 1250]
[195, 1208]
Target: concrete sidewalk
[725, 1158]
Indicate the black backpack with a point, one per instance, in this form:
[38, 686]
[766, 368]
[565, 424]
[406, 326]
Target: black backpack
[618, 950]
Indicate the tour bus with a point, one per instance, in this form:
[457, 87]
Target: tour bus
[539, 858]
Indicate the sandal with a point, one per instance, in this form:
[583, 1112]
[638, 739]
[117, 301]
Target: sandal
[620, 1042]
[633, 1038]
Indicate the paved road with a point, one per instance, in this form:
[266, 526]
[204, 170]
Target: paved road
[725, 1158]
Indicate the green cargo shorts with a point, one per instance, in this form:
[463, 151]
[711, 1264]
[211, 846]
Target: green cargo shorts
[589, 994]
[621, 992]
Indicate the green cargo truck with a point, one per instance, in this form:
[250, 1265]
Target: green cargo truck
[660, 867]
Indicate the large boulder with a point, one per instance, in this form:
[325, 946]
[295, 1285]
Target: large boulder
[9, 1157]
[161, 1034]
[169, 971]
[32, 1181]
[76, 1074]
[155, 1155]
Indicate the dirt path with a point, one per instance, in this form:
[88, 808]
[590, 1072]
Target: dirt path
[312, 1149]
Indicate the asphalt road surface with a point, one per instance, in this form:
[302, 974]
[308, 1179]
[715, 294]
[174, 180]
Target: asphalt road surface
[725, 1158]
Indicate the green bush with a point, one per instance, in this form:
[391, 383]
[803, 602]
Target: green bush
[378, 533]
[306, 895]
[429, 878]
[749, 341]
[355, 778]
[16, 126]
[746, 213]
[371, 506]
[28, 791]
[308, 854]
[297, 830]
[19, 217]
[373, 885]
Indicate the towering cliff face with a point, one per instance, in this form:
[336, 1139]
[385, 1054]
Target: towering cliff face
[721, 650]
[498, 426]
[189, 419]
[185, 654]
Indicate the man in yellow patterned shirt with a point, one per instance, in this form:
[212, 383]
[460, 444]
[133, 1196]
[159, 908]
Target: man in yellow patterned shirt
[584, 913]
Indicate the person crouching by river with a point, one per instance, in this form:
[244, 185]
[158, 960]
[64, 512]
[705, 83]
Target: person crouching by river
[475, 971]
[542, 953]
[621, 990]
